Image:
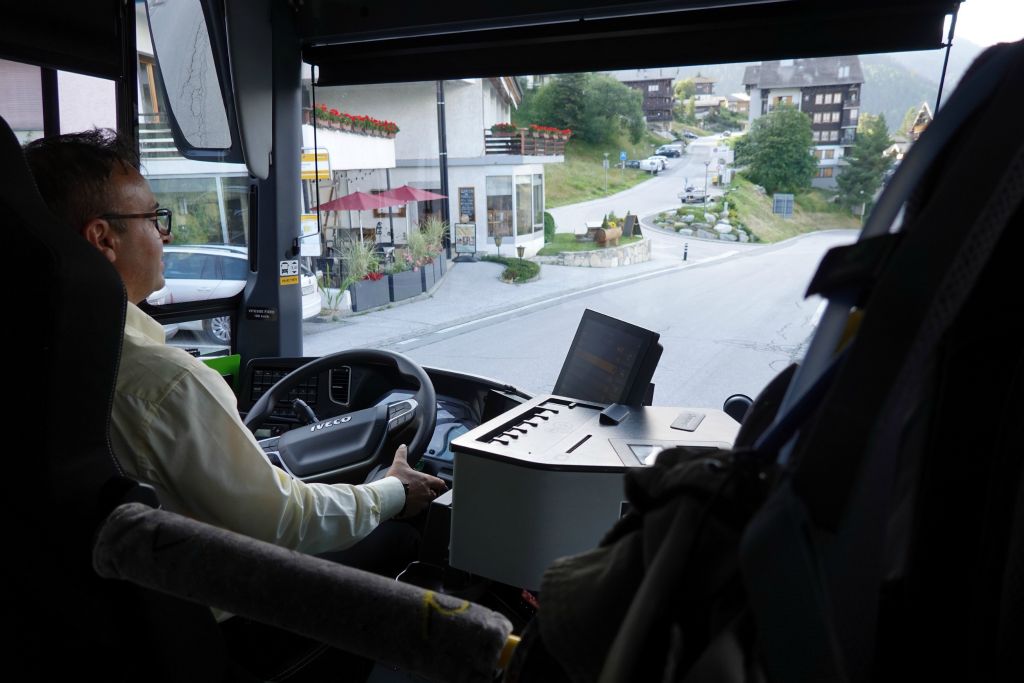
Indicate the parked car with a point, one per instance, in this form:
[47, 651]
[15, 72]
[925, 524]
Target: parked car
[215, 271]
[651, 165]
[726, 133]
[692, 195]
[633, 163]
[669, 151]
[662, 158]
[690, 136]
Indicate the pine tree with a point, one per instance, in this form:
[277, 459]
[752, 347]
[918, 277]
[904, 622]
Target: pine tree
[865, 165]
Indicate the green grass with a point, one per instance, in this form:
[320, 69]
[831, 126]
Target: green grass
[582, 177]
[812, 212]
[567, 242]
[516, 269]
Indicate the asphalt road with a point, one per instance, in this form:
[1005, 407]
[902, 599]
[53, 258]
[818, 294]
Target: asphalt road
[657, 194]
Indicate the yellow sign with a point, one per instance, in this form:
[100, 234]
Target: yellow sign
[315, 166]
[289, 280]
[308, 223]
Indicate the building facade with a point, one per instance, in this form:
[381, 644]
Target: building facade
[657, 104]
[495, 182]
[827, 89]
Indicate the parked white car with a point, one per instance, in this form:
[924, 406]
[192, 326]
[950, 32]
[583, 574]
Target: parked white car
[652, 164]
[214, 271]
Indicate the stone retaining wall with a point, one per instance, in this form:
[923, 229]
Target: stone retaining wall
[609, 257]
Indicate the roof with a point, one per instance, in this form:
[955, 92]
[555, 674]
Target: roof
[802, 73]
[703, 79]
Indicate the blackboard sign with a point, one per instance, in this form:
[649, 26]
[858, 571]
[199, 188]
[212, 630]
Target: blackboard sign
[467, 205]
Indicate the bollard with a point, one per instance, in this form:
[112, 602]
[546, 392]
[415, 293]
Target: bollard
[686, 247]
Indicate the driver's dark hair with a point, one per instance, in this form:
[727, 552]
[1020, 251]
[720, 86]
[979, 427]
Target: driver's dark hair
[72, 172]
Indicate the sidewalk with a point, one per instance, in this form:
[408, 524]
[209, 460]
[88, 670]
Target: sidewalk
[472, 291]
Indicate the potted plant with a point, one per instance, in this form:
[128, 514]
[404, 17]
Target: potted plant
[504, 129]
[405, 280]
[435, 230]
[367, 284]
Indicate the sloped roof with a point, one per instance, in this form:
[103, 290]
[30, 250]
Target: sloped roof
[802, 73]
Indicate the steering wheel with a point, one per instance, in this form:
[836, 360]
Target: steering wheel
[342, 445]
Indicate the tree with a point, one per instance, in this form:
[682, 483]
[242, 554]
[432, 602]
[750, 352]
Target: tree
[865, 165]
[684, 92]
[777, 150]
[596, 107]
[908, 121]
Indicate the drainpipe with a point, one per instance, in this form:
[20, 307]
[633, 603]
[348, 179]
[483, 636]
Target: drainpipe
[442, 156]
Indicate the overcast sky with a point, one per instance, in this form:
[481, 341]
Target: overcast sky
[986, 22]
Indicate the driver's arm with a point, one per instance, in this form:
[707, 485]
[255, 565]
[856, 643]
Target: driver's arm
[184, 436]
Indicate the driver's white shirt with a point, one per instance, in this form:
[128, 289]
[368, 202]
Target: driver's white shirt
[176, 426]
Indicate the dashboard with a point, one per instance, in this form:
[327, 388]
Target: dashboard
[463, 402]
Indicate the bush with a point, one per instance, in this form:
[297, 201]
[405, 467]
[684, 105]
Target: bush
[516, 269]
[549, 227]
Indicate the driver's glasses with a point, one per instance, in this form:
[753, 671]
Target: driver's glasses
[161, 219]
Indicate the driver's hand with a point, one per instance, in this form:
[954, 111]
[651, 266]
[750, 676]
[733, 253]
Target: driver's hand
[420, 488]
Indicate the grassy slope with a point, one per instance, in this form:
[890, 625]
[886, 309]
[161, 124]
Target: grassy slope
[812, 212]
[581, 176]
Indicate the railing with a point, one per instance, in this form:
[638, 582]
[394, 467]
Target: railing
[523, 143]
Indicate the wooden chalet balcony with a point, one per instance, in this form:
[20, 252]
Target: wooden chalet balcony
[523, 143]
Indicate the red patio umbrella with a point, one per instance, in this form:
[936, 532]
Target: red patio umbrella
[407, 194]
[359, 201]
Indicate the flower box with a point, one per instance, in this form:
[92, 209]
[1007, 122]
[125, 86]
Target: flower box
[405, 285]
[429, 272]
[367, 294]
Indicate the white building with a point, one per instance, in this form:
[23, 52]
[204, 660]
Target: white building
[495, 183]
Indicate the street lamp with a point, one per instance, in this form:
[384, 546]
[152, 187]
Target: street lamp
[707, 164]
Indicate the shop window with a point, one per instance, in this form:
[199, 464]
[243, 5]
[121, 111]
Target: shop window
[538, 201]
[524, 205]
[499, 205]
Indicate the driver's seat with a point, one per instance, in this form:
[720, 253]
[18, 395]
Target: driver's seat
[65, 619]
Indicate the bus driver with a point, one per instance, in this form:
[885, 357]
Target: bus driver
[175, 424]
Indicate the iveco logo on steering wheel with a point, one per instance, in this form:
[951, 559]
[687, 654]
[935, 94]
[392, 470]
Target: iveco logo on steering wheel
[330, 423]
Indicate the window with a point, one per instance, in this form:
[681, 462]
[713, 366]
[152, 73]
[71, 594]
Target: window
[816, 135]
[524, 205]
[837, 98]
[538, 201]
[499, 205]
[835, 117]
[652, 88]
[844, 71]
[825, 172]
[829, 153]
[819, 98]
[817, 117]
[828, 98]
[853, 115]
[833, 135]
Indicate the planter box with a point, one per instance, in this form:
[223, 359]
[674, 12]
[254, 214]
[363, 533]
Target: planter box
[442, 262]
[367, 294]
[429, 273]
[405, 285]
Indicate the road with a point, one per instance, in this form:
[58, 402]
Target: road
[727, 326]
[657, 194]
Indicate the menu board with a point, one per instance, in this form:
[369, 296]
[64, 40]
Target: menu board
[465, 238]
[467, 205]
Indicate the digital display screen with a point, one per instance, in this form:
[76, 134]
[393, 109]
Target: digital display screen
[610, 361]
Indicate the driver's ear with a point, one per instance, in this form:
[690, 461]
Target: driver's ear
[101, 234]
